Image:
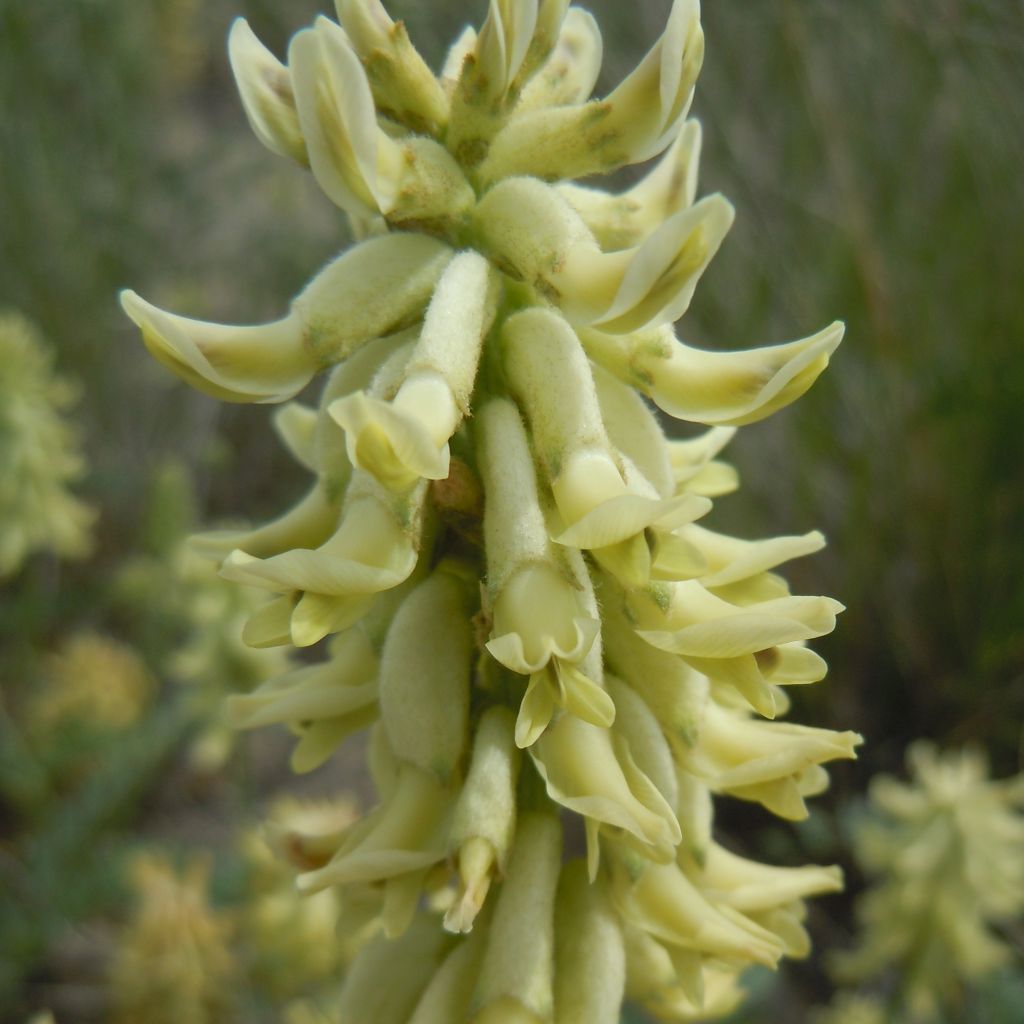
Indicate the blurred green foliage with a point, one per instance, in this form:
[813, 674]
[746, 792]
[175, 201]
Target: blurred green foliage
[873, 151]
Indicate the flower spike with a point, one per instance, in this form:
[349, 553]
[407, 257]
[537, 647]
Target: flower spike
[527, 613]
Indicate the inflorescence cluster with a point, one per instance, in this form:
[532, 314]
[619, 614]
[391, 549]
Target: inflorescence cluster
[499, 544]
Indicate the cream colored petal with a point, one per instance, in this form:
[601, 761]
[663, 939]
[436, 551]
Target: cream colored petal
[699, 624]
[536, 710]
[638, 725]
[663, 902]
[266, 91]
[627, 515]
[311, 694]
[735, 751]
[347, 151]
[404, 834]
[731, 560]
[747, 885]
[583, 771]
[503, 43]
[538, 616]
[634, 430]
[622, 220]
[582, 696]
[455, 59]
[317, 741]
[308, 524]
[268, 626]
[718, 387]
[634, 123]
[295, 426]
[570, 73]
[791, 664]
[268, 363]
[652, 284]
[396, 447]
[373, 549]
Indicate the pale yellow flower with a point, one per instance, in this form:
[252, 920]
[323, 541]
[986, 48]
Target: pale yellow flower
[500, 537]
[39, 453]
[945, 852]
[94, 683]
[173, 960]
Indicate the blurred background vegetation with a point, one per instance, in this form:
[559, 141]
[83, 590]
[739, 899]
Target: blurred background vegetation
[873, 151]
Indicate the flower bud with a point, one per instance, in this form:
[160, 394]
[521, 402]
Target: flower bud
[374, 289]
[516, 975]
[634, 123]
[375, 991]
[424, 676]
[549, 373]
[355, 162]
[267, 96]
[732, 388]
[407, 438]
[590, 959]
[570, 73]
[539, 598]
[402, 84]
[502, 46]
[448, 996]
[534, 234]
[485, 816]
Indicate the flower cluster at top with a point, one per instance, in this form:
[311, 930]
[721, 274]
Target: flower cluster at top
[946, 852]
[501, 544]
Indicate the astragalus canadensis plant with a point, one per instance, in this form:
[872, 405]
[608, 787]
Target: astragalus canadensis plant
[499, 541]
[944, 851]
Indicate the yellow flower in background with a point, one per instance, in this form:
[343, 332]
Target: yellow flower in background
[945, 853]
[94, 683]
[573, 640]
[39, 453]
[173, 960]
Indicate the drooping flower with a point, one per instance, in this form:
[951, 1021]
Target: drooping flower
[499, 539]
